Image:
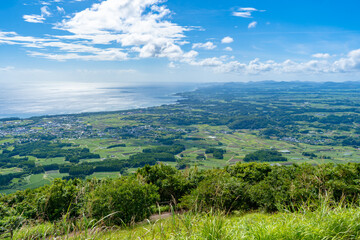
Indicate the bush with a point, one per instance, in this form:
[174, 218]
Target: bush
[250, 172]
[220, 192]
[170, 182]
[59, 199]
[121, 201]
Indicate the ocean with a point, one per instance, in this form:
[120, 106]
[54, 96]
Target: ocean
[29, 99]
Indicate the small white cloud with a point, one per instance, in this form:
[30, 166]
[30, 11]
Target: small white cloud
[181, 43]
[246, 12]
[227, 40]
[45, 11]
[60, 10]
[207, 45]
[34, 18]
[229, 49]
[208, 62]
[252, 24]
[172, 65]
[248, 9]
[242, 14]
[190, 55]
[6, 69]
[321, 55]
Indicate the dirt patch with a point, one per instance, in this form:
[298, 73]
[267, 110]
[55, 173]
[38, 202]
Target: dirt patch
[160, 216]
[164, 215]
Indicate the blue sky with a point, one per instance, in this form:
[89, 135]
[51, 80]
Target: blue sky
[190, 40]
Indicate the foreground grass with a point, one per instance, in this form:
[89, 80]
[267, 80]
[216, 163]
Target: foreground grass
[325, 223]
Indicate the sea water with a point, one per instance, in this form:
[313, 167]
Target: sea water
[27, 100]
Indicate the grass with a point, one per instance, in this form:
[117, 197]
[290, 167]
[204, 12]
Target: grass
[104, 175]
[34, 181]
[324, 223]
[49, 161]
[10, 170]
[99, 146]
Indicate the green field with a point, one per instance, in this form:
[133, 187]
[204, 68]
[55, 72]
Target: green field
[305, 122]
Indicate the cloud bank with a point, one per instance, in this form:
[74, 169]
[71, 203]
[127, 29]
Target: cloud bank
[114, 30]
[109, 31]
[350, 63]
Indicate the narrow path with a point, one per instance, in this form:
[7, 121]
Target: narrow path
[160, 216]
[231, 158]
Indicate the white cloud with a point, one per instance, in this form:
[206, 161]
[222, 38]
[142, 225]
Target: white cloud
[45, 11]
[34, 18]
[350, 63]
[172, 65]
[321, 55]
[60, 9]
[99, 55]
[138, 24]
[115, 30]
[13, 38]
[245, 12]
[252, 24]
[111, 30]
[190, 55]
[207, 45]
[6, 69]
[63, 51]
[227, 40]
[43, 3]
[208, 62]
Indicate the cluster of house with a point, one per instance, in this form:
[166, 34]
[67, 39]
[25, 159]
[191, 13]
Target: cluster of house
[55, 126]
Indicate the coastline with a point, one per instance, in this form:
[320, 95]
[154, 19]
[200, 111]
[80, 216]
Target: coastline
[158, 100]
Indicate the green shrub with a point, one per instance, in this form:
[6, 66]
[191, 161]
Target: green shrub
[220, 192]
[59, 199]
[121, 201]
[171, 183]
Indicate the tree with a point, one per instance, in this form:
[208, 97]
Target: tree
[60, 199]
[10, 220]
[121, 201]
